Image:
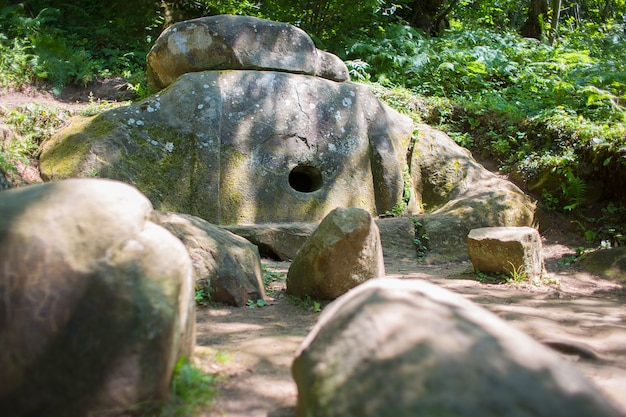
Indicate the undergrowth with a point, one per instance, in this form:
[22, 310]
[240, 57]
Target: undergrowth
[553, 115]
[192, 390]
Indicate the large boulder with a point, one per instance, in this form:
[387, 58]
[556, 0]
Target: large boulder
[343, 252]
[96, 301]
[458, 195]
[403, 348]
[245, 147]
[237, 42]
[228, 265]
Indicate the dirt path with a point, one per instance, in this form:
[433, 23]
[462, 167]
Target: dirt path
[253, 348]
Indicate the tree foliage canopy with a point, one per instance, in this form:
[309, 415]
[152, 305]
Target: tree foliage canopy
[554, 100]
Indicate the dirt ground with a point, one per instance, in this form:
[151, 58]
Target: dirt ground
[252, 348]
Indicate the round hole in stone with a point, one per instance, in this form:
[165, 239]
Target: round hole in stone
[305, 178]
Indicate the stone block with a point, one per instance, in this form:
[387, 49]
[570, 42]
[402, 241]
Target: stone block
[506, 250]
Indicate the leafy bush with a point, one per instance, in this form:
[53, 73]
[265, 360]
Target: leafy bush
[29, 125]
[68, 44]
[192, 389]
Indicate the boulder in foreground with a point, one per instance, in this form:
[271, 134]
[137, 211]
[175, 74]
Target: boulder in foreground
[406, 348]
[96, 301]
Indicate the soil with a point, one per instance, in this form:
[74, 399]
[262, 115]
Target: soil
[251, 349]
[580, 315]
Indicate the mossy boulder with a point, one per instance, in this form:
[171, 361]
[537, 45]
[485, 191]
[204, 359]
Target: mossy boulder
[608, 263]
[343, 252]
[404, 348]
[245, 147]
[96, 302]
[226, 265]
[458, 195]
[237, 42]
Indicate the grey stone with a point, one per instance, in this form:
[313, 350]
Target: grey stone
[237, 42]
[506, 250]
[458, 195]
[343, 252]
[609, 263]
[96, 301]
[245, 147]
[405, 348]
[227, 264]
[280, 241]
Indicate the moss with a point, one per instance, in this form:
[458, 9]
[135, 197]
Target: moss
[162, 174]
[232, 206]
[66, 154]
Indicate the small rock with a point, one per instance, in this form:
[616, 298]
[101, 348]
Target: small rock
[343, 252]
[507, 250]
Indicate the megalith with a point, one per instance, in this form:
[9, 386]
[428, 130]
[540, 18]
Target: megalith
[245, 147]
[96, 301]
[404, 348]
[237, 42]
[343, 252]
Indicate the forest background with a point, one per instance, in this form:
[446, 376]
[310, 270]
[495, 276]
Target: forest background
[537, 87]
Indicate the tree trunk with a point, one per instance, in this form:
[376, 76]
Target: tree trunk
[556, 16]
[533, 27]
[428, 15]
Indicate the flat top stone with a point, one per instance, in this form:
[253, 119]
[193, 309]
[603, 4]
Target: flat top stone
[501, 233]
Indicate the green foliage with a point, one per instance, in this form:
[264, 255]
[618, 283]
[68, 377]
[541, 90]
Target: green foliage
[358, 70]
[534, 108]
[608, 230]
[192, 389]
[581, 253]
[269, 277]
[59, 43]
[517, 275]
[30, 126]
[489, 278]
[420, 240]
[256, 304]
[327, 21]
[306, 303]
[203, 293]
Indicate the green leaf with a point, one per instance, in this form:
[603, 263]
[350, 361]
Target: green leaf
[477, 67]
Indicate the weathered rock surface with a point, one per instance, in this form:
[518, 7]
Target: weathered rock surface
[403, 348]
[96, 302]
[237, 42]
[506, 250]
[245, 147]
[227, 264]
[609, 263]
[397, 237]
[459, 195]
[343, 252]
[280, 241]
